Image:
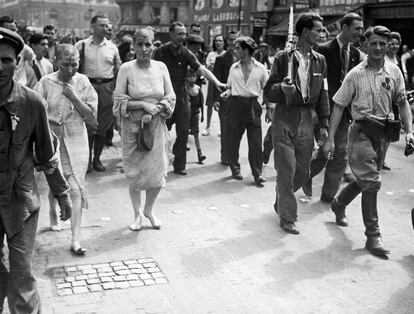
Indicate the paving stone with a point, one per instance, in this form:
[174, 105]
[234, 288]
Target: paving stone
[123, 272]
[136, 283]
[145, 276]
[149, 282]
[95, 287]
[63, 285]
[74, 273]
[104, 265]
[130, 262]
[79, 290]
[59, 273]
[71, 269]
[161, 281]
[82, 277]
[122, 267]
[132, 277]
[149, 265]
[79, 283]
[114, 264]
[145, 260]
[106, 279]
[133, 266]
[83, 267]
[153, 270]
[70, 279]
[108, 285]
[157, 275]
[138, 271]
[122, 285]
[92, 281]
[119, 278]
[64, 292]
[92, 276]
[89, 271]
[105, 270]
[106, 274]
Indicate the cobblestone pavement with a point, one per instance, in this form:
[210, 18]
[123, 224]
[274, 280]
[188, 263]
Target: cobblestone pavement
[221, 250]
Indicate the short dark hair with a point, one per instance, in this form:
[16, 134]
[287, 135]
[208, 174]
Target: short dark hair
[306, 20]
[48, 26]
[395, 35]
[247, 43]
[348, 18]
[36, 38]
[96, 17]
[214, 42]
[377, 30]
[6, 19]
[174, 24]
[195, 24]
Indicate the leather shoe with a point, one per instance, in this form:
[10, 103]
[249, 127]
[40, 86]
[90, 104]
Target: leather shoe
[288, 226]
[259, 180]
[237, 176]
[180, 172]
[98, 166]
[375, 246]
[340, 218]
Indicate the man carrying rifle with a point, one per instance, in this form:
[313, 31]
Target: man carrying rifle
[302, 103]
[370, 88]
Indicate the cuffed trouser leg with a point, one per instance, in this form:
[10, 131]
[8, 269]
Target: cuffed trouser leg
[370, 213]
[22, 294]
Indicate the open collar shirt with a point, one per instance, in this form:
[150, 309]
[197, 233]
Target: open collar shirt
[254, 84]
[370, 92]
[101, 60]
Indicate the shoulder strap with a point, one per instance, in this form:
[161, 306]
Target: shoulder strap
[36, 71]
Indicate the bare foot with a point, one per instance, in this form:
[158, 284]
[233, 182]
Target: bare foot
[137, 224]
[155, 222]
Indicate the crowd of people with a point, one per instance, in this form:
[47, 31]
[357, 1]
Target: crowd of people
[344, 97]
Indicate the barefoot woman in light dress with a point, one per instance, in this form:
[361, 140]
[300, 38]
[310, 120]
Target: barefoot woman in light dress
[144, 97]
[71, 100]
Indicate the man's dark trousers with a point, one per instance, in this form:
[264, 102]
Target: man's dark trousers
[19, 284]
[181, 118]
[222, 113]
[335, 167]
[244, 114]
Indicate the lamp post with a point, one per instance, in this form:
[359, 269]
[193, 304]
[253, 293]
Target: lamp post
[239, 16]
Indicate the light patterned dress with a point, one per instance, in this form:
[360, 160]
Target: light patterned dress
[144, 169]
[68, 124]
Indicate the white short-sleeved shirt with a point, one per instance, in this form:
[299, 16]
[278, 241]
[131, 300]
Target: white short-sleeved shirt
[254, 84]
[371, 93]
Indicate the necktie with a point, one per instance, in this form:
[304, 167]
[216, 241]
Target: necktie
[344, 62]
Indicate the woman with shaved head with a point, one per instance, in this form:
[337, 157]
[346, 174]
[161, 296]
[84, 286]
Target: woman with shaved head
[144, 98]
[71, 101]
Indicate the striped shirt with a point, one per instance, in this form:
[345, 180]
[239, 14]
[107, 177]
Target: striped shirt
[371, 93]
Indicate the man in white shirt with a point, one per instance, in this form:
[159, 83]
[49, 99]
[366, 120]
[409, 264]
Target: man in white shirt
[247, 77]
[40, 45]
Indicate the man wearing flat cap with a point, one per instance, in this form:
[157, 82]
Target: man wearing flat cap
[26, 142]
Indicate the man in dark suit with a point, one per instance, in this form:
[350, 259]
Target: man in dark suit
[221, 71]
[341, 57]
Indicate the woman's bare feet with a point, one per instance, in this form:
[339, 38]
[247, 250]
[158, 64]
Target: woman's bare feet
[137, 224]
[155, 222]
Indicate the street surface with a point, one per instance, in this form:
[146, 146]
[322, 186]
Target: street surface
[221, 248]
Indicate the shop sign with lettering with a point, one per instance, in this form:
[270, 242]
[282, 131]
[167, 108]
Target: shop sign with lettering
[218, 17]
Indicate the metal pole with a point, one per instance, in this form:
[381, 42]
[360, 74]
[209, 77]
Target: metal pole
[239, 17]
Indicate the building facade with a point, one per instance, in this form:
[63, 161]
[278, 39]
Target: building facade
[157, 14]
[69, 16]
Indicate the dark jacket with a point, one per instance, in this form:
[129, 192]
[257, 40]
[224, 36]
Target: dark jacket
[221, 70]
[331, 51]
[19, 148]
[318, 98]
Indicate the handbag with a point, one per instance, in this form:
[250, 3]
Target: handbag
[145, 139]
[392, 130]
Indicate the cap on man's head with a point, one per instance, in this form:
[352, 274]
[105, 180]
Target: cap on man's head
[12, 38]
[194, 39]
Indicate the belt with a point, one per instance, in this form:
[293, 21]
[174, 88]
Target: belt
[98, 81]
